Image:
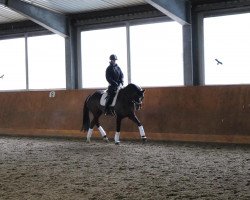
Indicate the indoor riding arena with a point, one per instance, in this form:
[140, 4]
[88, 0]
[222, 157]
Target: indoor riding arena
[197, 129]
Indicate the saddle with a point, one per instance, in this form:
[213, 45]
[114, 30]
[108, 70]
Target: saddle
[104, 98]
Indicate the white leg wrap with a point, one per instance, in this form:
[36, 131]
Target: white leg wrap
[103, 133]
[141, 129]
[89, 134]
[117, 136]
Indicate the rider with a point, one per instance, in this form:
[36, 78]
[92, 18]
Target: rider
[114, 76]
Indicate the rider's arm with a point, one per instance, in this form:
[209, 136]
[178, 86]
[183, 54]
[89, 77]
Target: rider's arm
[121, 77]
[110, 78]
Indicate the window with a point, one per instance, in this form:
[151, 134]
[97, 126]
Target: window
[157, 54]
[227, 47]
[46, 63]
[97, 46]
[46, 56]
[12, 62]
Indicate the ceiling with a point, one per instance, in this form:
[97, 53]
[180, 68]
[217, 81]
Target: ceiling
[67, 7]
[7, 15]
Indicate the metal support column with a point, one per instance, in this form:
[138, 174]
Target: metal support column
[72, 59]
[128, 53]
[187, 54]
[198, 49]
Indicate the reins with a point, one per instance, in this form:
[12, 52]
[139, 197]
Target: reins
[137, 105]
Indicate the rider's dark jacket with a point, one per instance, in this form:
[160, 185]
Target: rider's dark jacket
[114, 76]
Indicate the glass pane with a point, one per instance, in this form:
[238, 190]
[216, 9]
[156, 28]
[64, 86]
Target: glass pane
[227, 47]
[46, 55]
[97, 46]
[157, 54]
[12, 62]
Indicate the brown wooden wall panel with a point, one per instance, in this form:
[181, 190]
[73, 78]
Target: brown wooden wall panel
[172, 113]
[199, 110]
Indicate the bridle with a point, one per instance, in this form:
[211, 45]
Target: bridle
[137, 105]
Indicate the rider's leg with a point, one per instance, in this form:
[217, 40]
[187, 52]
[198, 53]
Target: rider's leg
[108, 103]
[110, 97]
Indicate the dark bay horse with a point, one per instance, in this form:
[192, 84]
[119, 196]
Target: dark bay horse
[129, 99]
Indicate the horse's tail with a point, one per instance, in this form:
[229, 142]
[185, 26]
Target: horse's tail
[86, 119]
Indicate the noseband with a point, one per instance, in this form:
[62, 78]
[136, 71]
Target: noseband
[137, 105]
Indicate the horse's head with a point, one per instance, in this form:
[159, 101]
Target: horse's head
[136, 95]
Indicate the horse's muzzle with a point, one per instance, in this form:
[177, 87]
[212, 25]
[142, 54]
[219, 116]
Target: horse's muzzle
[137, 105]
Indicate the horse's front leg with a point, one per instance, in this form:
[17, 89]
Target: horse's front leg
[140, 127]
[118, 129]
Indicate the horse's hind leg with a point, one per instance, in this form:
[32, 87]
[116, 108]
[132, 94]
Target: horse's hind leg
[140, 127]
[102, 131]
[118, 129]
[89, 134]
[91, 127]
[95, 121]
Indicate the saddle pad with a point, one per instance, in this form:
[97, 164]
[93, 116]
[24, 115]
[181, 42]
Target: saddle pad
[105, 94]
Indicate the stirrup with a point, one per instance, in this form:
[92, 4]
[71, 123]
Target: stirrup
[109, 111]
[112, 111]
[106, 111]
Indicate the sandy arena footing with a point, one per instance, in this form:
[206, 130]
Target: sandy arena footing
[52, 168]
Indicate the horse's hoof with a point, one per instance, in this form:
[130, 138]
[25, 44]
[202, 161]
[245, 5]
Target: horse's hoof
[117, 143]
[144, 139]
[88, 140]
[105, 139]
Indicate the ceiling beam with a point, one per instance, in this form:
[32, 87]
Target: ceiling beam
[55, 22]
[178, 10]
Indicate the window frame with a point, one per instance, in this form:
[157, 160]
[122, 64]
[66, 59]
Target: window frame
[126, 24]
[27, 35]
[198, 36]
[20, 36]
[211, 15]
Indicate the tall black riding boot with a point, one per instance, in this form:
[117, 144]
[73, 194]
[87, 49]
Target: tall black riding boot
[108, 103]
[107, 110]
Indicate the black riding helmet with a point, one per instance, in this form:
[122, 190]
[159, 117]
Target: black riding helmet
[113, 57]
